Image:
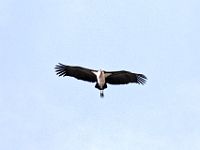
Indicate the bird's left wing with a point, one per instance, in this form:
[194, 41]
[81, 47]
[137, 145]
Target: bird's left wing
[125, 77]
[77, 72]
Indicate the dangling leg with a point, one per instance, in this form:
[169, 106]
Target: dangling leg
[101, 94]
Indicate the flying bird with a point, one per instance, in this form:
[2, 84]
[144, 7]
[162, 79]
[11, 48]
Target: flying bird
[101, 77]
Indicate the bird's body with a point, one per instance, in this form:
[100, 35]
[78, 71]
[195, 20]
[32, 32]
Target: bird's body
[101, 77]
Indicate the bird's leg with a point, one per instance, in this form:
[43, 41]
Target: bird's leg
[101, 94]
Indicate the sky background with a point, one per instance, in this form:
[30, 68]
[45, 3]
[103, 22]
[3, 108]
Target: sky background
[40, 111]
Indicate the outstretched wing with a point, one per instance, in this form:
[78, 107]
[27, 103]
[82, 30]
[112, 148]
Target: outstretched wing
[125, 77]
[77, 72]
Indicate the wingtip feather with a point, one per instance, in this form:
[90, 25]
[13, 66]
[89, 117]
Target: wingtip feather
[59, 69]
[141, 79]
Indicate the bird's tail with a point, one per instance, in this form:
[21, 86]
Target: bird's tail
[101, 94]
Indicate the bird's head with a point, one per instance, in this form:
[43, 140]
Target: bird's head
[101, 72]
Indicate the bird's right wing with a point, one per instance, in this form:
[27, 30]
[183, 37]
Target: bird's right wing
[125, 77]
[77, 72]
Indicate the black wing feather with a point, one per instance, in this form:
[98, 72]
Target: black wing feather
[77, 72]
[125, 77]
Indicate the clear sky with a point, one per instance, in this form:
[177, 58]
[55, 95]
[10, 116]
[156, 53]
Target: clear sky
[40, 111]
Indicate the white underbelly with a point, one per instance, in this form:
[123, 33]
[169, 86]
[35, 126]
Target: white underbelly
[101, 81]
[101, 78]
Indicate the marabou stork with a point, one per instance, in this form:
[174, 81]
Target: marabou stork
[101, 77]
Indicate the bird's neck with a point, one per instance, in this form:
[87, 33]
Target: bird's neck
[101, 73]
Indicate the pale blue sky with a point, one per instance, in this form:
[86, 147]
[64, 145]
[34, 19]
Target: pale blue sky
[39, 111]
